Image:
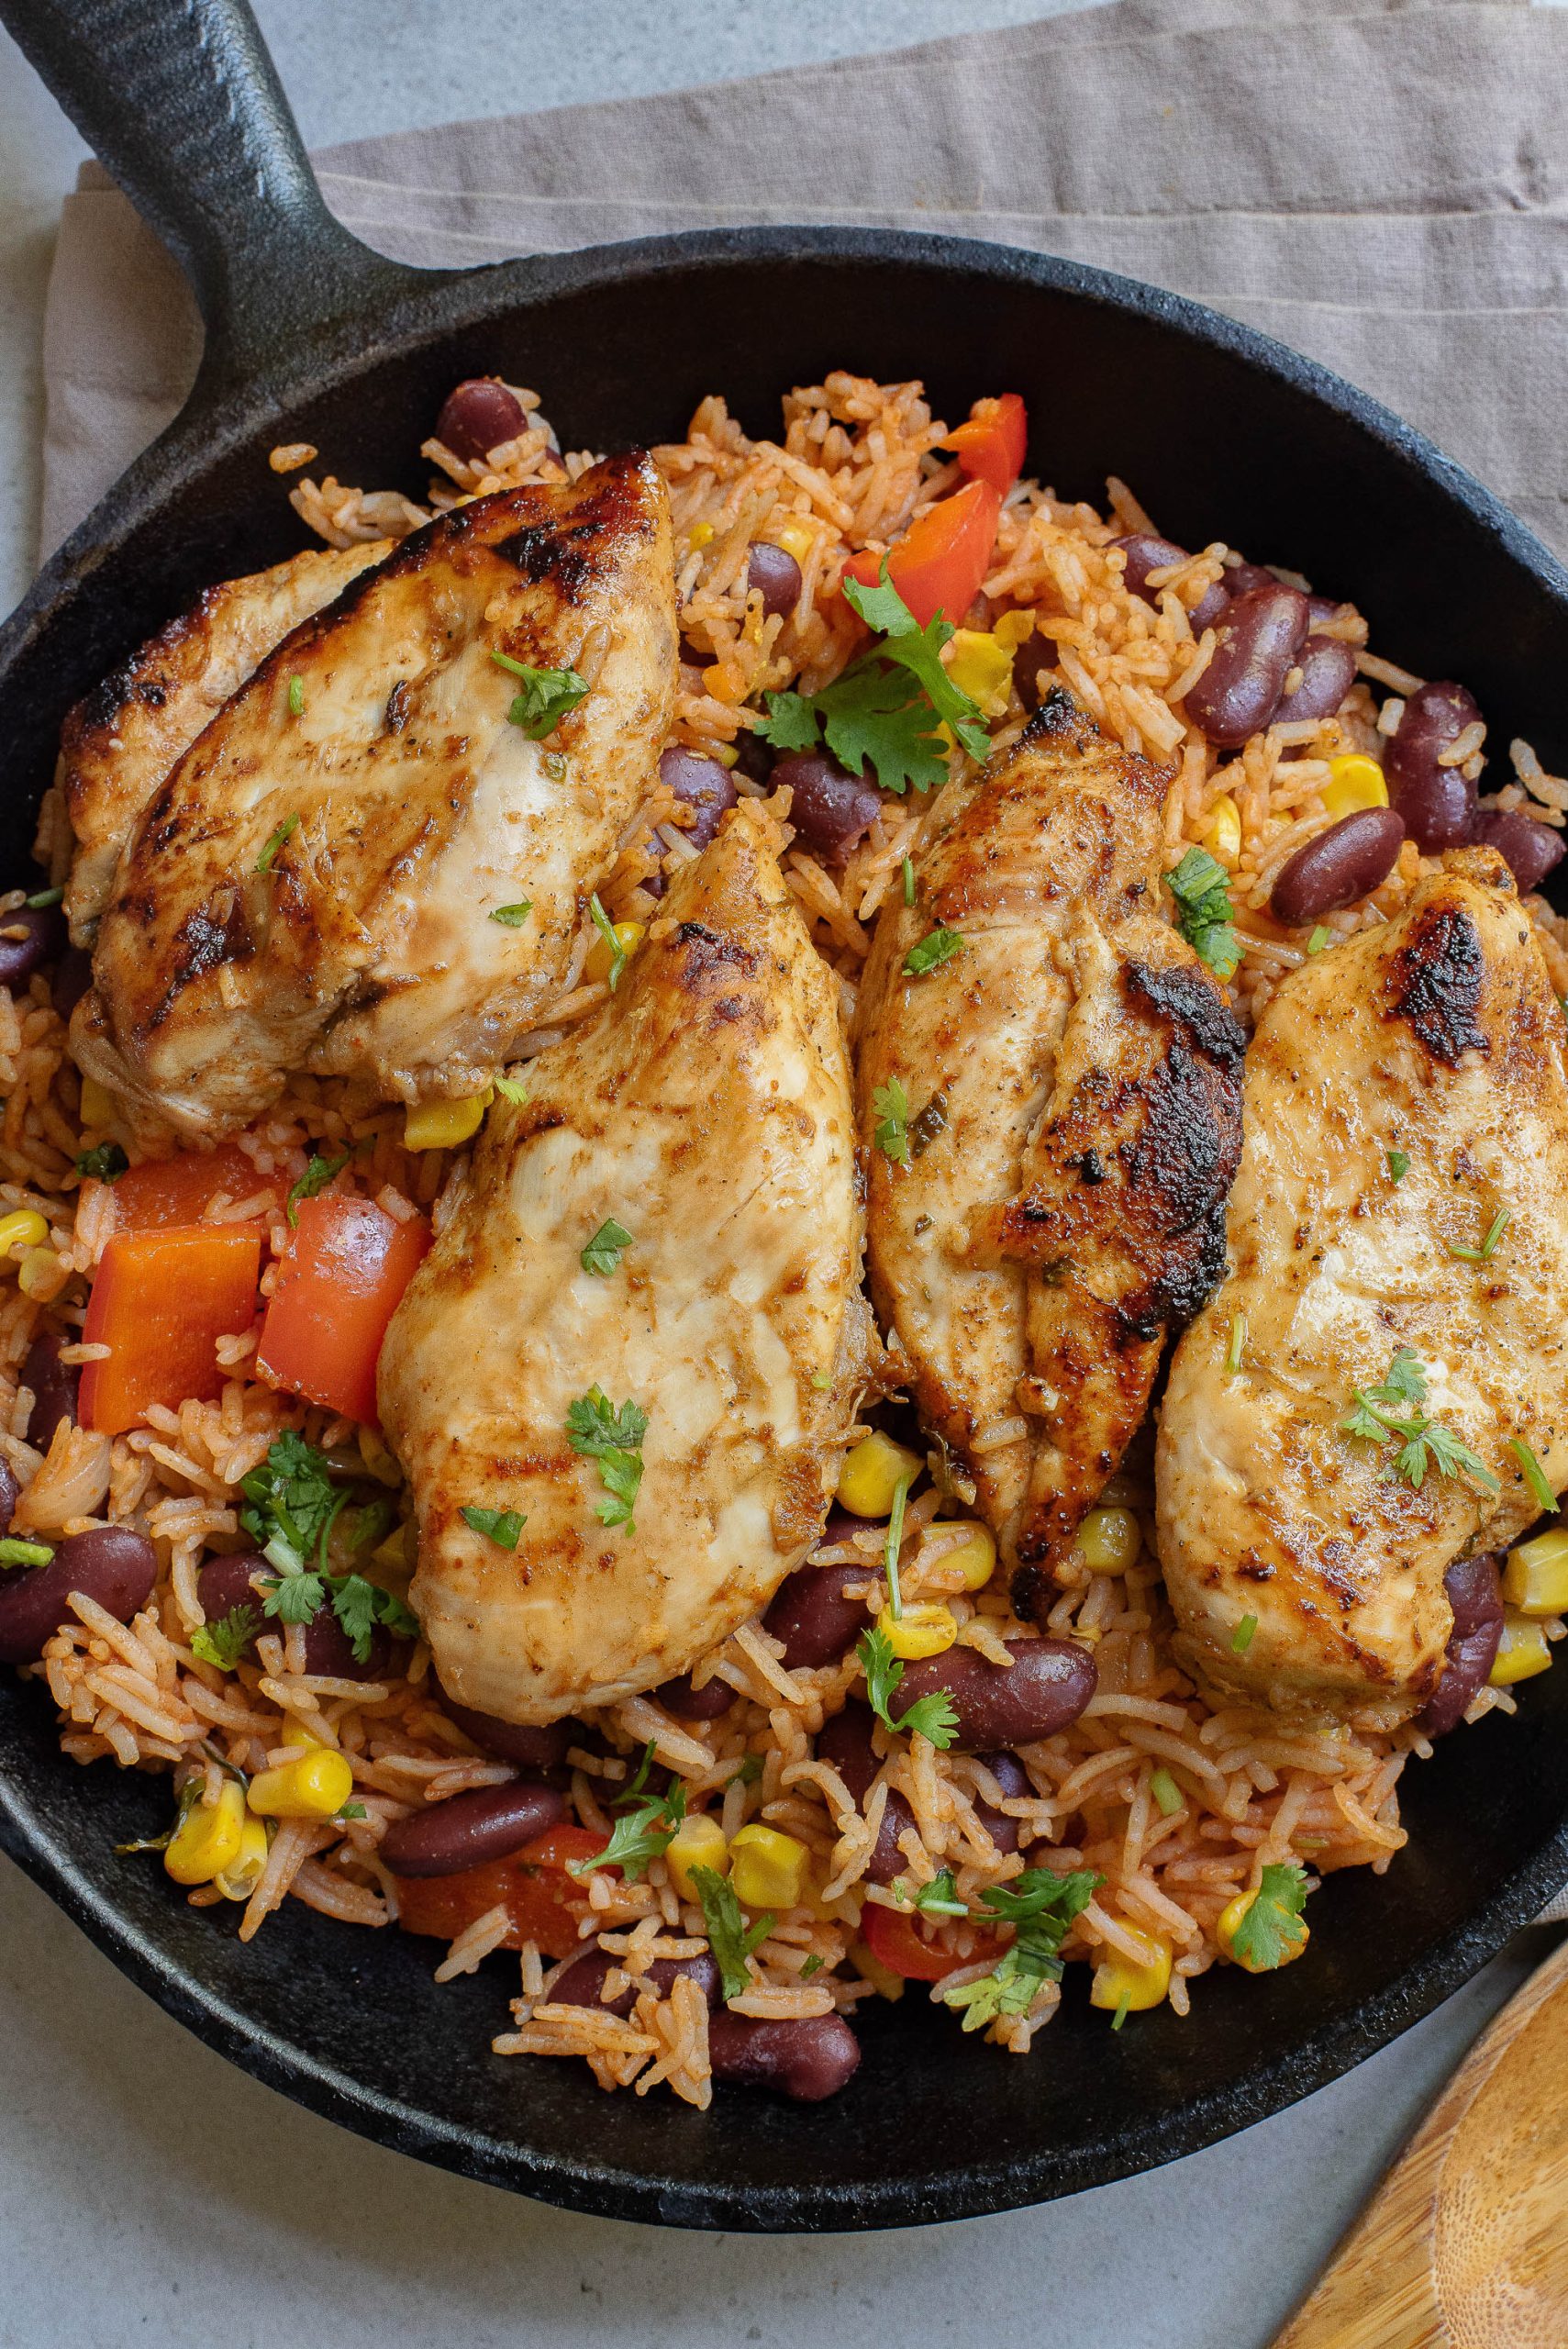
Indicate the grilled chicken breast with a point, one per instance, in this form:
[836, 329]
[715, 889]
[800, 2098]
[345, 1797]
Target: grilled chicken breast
[1436, 1037]
[117, 744]
[706, 1112]
[1072, 1077]
[313, 887]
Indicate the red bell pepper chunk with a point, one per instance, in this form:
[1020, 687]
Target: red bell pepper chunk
[990, 446]
[161, 1301]
[164, 1191]
[348, 1263]
[543, 1903]
[938, 564]
[894, 1939]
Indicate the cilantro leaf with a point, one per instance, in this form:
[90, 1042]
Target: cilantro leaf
[547, 697]
[270, 847]
[919, 649]
[1376, 1417]
[104, 1163]
[293, 1504]
[938, 946]
[502, 1525]
[729, 1937]
[512, 1089]
[1043, 1892]
[890, 1108]
[749, 1771]
[513, 917]
[1398, 1165]
[1042, 1905]
[297, 1597]
[595, 1428]
[939, 1897]
[641, 1833]
[315, 1177]
[931, 1717]
[1202, 890]
[791, 722]
[1272, 1927]
[226, 1640]
[190, 1794]
[603, 1253]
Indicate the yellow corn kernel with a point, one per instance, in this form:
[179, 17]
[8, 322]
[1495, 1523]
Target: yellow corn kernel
[1354, 782]
[975, 1557]
[981, 666]
[239, 1880]
[97, 1103]
[882, 1979]
[795, 538]
[208, 1837]
[1222, 833]
[872, 1473]
[1535, 1579]
[1118, 1981]
[1230, 1916]
[925, 1628]
[725, 752]
[40, 1273]
[1014, 628]
[313, 1788]
[1522, 1652]
[701, 534]
[769, 1870]
[441, 1125]
[1108, 1540]
[629, 936]
[23, 1227]
[697, 1843]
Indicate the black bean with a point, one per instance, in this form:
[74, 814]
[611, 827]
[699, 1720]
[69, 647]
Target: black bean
[464, 1831]
[1437, 803]
[807, 2058]
[1034, 669]
[72, 977]
[1257, 642]
[1348, 861]
[1528, 849]
[52, 1385]
[534, 1748]
[811, 1615]
[774, 571]
[703, 785]
[580, 1984]
[477, 417]
[705, 1704]
[1045, 1689]
[10, 1490]
[845, 1742]
[832, 810]
[33, 934]
[1476, 1598]
[1146, 553]
[1327, 672]
[110, 1564]
[1005, 1831]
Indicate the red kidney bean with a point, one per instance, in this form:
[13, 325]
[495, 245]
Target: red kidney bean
[1145, 553]
[1348, 861]
[1327, 672]
[1476, 1596]
[582, 1980]
[1529, 850]
[811, 1615]
[1045, 1689]
[754, 757]
[701, 784]
[464, 1831]
[541, 1747]
[845, 1741]
[10, 1492]
[33, 934]
[1034, 669]
[52, 1385]
[1005, 1831]
[1257, 642]
[225, 1584]
[1437, 803]
[111, 1564]
[1243, 577]
[774, 571]
[809, 2058]
[704, 1704]
[477, 417]
[72, 977]
[832, 810]
[1323, 608]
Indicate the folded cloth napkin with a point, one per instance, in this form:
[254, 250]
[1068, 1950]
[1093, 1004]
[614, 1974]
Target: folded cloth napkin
[1382, 186]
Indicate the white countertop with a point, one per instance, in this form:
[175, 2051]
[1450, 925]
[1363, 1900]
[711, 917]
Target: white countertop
[150, 2191]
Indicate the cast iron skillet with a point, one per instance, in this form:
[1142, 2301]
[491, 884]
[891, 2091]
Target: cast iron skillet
[311, 337]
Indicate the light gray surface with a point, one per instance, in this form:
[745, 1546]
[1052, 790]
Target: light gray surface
[150, 2191]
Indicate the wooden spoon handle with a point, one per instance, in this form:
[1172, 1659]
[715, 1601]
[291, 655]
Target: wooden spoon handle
[1465, 2243]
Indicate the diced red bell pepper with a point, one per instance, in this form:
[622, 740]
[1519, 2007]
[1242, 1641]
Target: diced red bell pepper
[904, 1950]
[545, 1905]
[164, 1191]
[161, 1301]
[990, 446]
[938, 564]
[348, 1263]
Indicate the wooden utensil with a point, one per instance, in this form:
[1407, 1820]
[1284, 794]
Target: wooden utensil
[1465, 2244]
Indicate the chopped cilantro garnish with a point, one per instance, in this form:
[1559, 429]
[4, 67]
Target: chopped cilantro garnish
[749, 1771]
[1042, 1905]
[595, 1428]
[501, 1525]
[15, 1551]
[812, 1966]
[349, 1810]
[1202, 890]
[296, 696]
[513, 917]
[939, 1897]
[1534, 1474]
[890, 1108]
[932, 1717]
[938, 947]
[315, 1177]
[1394, 1409]
[190, 1794]
[226, 1640]
[1123, 2009]
[607, 930]
[1272, 1927]
[547, 695]
[909, 881]
[41, 897]
[1483, 1254]
[512, 1089]
[1241, 1638]
[1168, 1795]
[292, 1506]
[1236, 1343]
[892, 1546]
[264, 862]
[729, 1937]
[603, 1253]
[1319, 938]
[1398, 1165]
[644, 1830]
[104, 1163]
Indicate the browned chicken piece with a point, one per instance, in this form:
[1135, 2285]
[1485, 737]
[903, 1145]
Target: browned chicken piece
[704, 1114]
[117, 744]
[1072, 1083]
[1401, 1092]
[370, 863]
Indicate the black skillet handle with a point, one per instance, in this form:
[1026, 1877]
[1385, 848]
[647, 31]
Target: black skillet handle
[180, 100]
